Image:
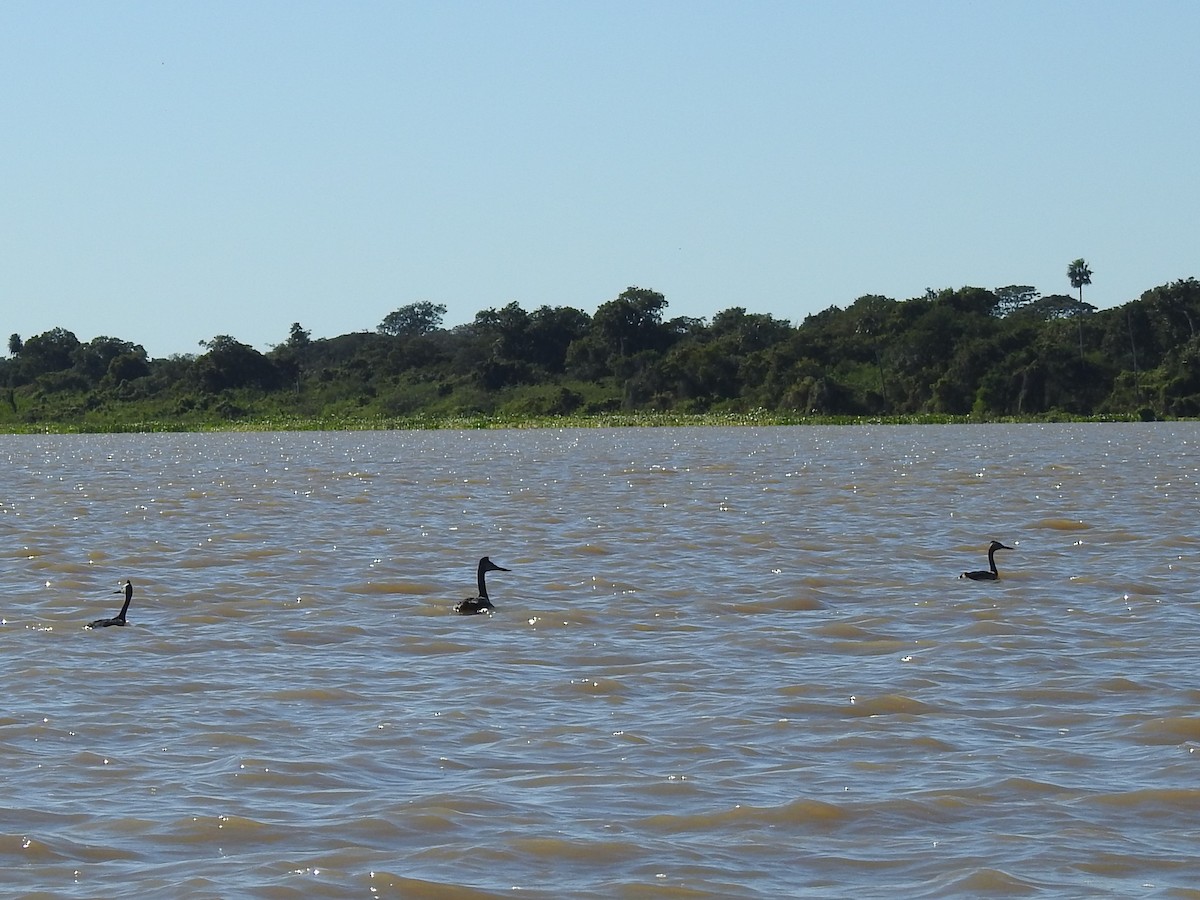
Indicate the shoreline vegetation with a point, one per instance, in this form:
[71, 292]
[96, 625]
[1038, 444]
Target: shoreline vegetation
[754, 418]
[961, 355]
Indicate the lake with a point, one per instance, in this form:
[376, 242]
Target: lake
[726, 662]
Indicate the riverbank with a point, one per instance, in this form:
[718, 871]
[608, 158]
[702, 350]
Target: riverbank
[756, 418]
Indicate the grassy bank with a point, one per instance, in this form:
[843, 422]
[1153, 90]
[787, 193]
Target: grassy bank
[756, 418]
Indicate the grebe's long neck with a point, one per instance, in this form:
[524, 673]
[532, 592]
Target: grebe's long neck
[128, 597]
[482, 584]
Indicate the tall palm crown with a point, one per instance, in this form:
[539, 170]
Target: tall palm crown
[1080, 274]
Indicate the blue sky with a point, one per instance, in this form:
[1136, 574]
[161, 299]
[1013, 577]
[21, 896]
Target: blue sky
[175, 171]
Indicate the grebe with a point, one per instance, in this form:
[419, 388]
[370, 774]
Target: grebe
[990, 574]
[119, 619]
[476, 605]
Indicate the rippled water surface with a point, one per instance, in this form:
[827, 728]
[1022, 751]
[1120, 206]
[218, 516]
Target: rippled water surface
[726, 663]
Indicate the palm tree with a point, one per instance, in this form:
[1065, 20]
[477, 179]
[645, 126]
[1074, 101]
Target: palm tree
[1080, 274]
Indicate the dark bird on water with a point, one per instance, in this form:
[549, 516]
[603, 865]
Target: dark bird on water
[989, 574]
[119, 618]
[475, 605]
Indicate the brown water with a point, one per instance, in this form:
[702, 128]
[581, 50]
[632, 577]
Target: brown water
[726, 663]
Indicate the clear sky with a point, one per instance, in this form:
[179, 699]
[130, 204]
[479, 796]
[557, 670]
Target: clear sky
[174, 171]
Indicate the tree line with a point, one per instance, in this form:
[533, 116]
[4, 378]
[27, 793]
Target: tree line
[970, 352]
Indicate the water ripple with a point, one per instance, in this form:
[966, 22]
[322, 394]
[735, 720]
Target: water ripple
[726, 663]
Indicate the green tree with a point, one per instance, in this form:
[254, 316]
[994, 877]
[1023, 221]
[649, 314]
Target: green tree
[298, 337]
[1058, 306]
[632, 322]
[93, 359]
[1079, 274]
[508, 330]
[127, 367]
[551, 331]
[291, 356]
[414, 319]
[230, 364]
[972, 300]
[749, 331]
[52, 351]
[1178, 307]
[14, 345]
[499, 348]
[1014, 298]
[586, 359]
[870, 316]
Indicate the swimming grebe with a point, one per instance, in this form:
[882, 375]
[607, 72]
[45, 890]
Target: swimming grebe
[476, 605]
[119, 619]
[990, 574]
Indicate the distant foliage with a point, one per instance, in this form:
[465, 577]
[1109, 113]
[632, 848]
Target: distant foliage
[414, 319]
[951, 353]
[1079, 274]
